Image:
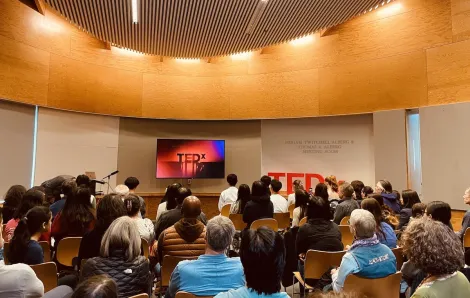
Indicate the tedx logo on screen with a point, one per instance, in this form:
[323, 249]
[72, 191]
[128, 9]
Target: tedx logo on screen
[191, 159]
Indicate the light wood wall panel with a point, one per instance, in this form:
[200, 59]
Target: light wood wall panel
[381, 84]
[460, 19]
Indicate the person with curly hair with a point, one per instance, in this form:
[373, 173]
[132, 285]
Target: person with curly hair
[439, 254]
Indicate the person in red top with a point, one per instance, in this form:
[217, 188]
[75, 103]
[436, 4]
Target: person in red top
[76, 218]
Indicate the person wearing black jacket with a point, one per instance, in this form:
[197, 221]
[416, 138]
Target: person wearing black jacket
[347, 204]
[260, 205]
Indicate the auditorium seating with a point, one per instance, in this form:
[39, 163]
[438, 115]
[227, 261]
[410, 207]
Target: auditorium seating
[346, 236]
[268, 222]
[283, 220]
[345, 221]
[140, 296]
[47, 273]
[168, 265]
[387, 287]
[237, 220]
[398, 252]
[47, 250]
[466, 238]
[226, 210]
[145, 247]
[67, 250]
[182, 294]
[303, 221]
[291, 211]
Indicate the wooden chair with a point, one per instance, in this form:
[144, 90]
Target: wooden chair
[47, 250]
[6, 248]
[47, 273]
[466, 238]
[346, 235]
[140, 296]
[303, 221]
[168, 265]
[291, 211]
[398, 252]
[316, 264]
[345, 221]
[67, 250]
[182, 294]
[226, 210]
[237, 220]
[145, 248]
[283, 220]
[267, 222]
[387, 287]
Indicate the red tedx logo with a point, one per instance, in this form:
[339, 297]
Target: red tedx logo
[292, 176]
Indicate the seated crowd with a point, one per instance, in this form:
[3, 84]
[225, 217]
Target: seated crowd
[212, 258]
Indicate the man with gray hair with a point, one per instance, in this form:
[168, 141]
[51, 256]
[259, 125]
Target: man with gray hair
[213, 272]
[347, 204]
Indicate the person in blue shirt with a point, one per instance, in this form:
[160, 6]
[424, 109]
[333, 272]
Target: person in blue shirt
[383, 230]
[263, 257]
[367, 257]
[212, 272]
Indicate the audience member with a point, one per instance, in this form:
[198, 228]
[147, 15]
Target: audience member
[321, 190]
[84, 180]
[120, 259]
[171, 217]
[187, 274]
[99, 286]
[383, 230]
[409, 198]
[263, 257]
[367, 190]
[319, 233]
[76, 218]
[332, 185]
[357, 186]
[390, 198]
[12, 201]
[132, 183]
[53, 188]
[417, 211]
[267, 183]
[466, 217]
[69, 188]
[30, 199]
[109, 208]
[24, 246]
[169, 200]
[145, 225]
[122, 190]
[229, 196]
[296, 185]
[243, 197]
[19, 281]
[279, 202]
[301, 202]
[439, 254]
[440, 211]
[186, 238]
[260, 205]
[367, 257]
[347, 204]
[387, 213]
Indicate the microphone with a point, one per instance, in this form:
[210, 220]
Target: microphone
[112, 174]
[97, 181]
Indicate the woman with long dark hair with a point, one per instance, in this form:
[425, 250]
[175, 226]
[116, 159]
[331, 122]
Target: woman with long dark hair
[384, 231]
[24, 246]
[301, 203]
[77, 217]
[244, 196]
[260, 205]
[12, 201]
[409, 198]
[169, 199]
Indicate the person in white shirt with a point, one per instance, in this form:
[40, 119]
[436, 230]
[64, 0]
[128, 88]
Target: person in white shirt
[296, 186]
[19, 280]
[230, 195]
[279, 202]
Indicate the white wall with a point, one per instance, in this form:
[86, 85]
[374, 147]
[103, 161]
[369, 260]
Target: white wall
[74, 143]
[285, 145]
[390, 148]
[445, 157]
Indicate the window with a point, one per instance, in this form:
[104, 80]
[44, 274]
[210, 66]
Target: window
[414, 150]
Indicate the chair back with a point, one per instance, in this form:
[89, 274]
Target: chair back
[168, 265]
[318, 262]
[47, 273]
[67, 250]
[6, 248]
[466, 238]
[398, 252]
[291, 210]
[303, 221]
[346, 236]
[345, 221]
[140, 296]
[145, 247]
[237, 220]
[226, 210]
[182, 294]
[267, 222]
[387, 287]
[47, 250]
[283, 220]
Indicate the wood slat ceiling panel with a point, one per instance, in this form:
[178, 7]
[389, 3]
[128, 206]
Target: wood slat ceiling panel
[205, 28]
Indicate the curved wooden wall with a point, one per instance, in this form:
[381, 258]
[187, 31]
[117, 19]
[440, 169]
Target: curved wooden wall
[415, 56]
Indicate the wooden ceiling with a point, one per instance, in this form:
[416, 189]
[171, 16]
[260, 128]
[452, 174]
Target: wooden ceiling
[206, 28]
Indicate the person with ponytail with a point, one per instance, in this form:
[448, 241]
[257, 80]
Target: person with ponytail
[76, 218]
[24, 246]
[132, 204]
[332, 185]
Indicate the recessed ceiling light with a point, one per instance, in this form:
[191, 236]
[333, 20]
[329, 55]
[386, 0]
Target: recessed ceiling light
[135, 14]
[241, 56]
[302, 40]
[188, 60]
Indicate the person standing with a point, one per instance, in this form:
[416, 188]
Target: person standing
[279, 202]
[230, 195]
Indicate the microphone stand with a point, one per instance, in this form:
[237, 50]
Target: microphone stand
[109, 178]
